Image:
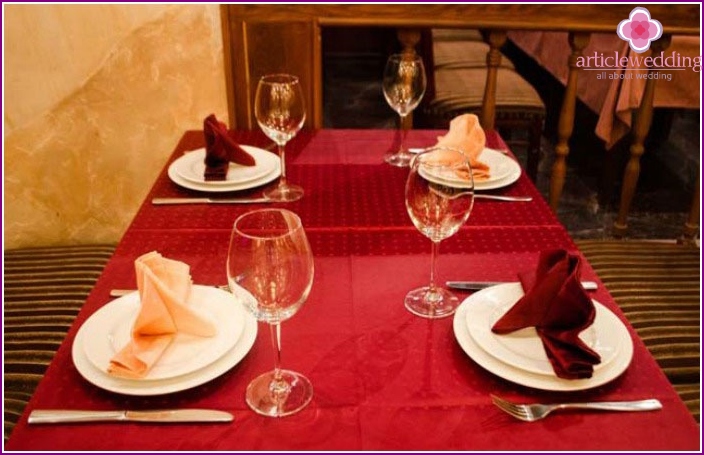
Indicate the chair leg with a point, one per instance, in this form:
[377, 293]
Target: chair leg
[691, 227]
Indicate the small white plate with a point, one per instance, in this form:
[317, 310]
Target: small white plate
[611, 371]
[261, 156]
[108, 330]
[164, 386]
[191, 166]
[523, 348]
[503, 172]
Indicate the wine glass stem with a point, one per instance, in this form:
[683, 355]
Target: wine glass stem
[404, 132]
[282, 155]
[278, 388]
[433, 261]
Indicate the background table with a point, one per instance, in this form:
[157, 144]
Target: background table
[614, 100]
[384, 379]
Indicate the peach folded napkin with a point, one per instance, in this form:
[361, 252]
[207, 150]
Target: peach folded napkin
[467, 136]
[559, 308]
[221, 150]
[164, 286]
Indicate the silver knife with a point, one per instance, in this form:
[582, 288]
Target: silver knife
[166, 415]
[477, 285]
[494, 197]
[207, 200]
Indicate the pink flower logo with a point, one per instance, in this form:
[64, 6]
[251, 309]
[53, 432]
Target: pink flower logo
[639, 29]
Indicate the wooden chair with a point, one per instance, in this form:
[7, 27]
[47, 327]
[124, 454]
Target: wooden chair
[459, 76]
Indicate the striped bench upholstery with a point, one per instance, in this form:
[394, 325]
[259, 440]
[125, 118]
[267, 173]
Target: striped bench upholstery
[456, 34]
[463, 54]
[44, 289]
[657, 286]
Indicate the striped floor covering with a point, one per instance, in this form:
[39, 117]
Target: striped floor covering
[658, 287]
[43, 290]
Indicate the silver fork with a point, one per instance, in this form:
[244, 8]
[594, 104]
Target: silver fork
[536, 411]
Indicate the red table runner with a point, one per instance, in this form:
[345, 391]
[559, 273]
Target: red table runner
[383, 378]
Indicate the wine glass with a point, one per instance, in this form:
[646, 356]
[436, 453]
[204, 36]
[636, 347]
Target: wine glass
[270, 269]
[404, 86]
[439, 199]
[280, 112]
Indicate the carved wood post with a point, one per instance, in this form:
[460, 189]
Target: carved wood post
[642, 118]
[495, 39]
[578, 41]
[409, 39]
[691, 226]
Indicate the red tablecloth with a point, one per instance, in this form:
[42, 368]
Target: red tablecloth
[383, 378]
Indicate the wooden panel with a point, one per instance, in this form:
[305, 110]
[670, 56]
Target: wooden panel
[676, 19]
[258, 48]
[265, 38]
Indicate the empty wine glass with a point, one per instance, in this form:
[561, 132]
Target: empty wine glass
[439, 199]
[404, 86]
[270, 269]
[280, 112]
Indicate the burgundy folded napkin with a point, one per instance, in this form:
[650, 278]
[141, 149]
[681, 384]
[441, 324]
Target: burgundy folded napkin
[221, 150]
[558, 307]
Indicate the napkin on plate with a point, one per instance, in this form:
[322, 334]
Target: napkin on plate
[559, 308]
[466, 135]
[164, 286]
[221, 150]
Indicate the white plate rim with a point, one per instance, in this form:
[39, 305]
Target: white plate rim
[513, 174]
[495, 156]
[538, 381]
[165, 386]
[177, 179]
[265, 163]
[215, 301]
[479, 329]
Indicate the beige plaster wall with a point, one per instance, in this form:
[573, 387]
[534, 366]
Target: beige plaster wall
[96, 98]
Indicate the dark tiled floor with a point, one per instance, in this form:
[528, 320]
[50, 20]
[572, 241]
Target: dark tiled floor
[588, 208]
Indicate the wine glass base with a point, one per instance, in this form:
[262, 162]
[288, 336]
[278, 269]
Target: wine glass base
[284, 193]
[399, 159]
[432, 304]
[262, 401]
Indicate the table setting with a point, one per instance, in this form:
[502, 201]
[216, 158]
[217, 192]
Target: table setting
[427, 314]
[167, 336]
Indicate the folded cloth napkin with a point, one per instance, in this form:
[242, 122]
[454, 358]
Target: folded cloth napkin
[466, 135]
[559, 308]
[221, 150]
[164, 286]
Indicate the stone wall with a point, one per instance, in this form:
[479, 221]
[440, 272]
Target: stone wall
[96, 98]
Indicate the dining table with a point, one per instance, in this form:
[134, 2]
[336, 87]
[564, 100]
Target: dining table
[384, 379]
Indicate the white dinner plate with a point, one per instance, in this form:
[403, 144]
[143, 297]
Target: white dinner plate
[108, 330]
[523, 348]
[611, 371]
[191, 166]
[503, 172]
[164, 386]
[260, 155]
